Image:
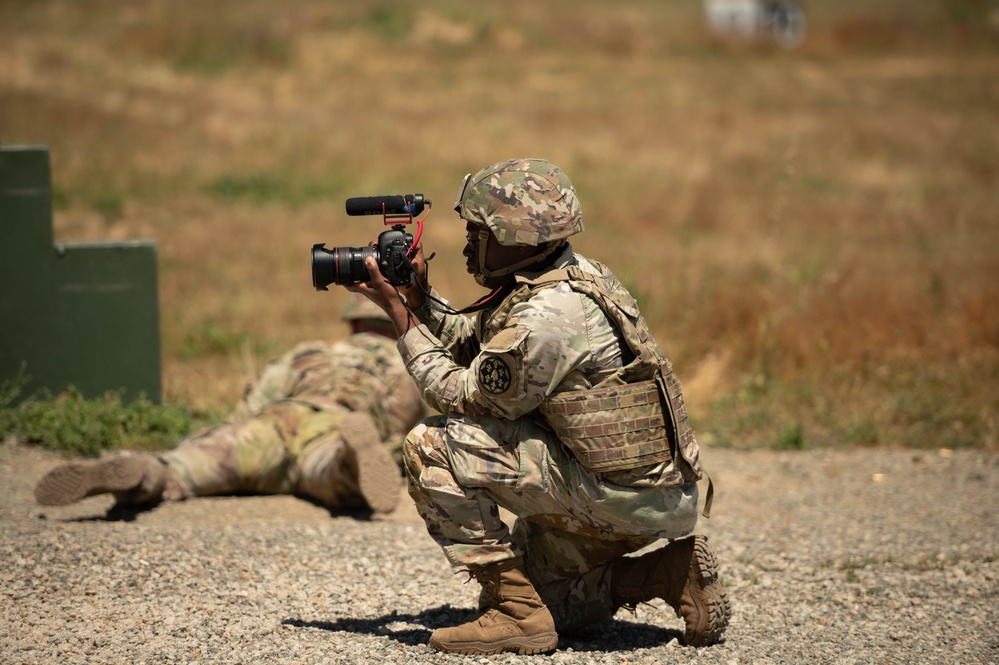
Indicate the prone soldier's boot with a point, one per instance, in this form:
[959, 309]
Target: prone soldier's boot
[378, 476]
[133, 478]
[685, 575]
[516, 621]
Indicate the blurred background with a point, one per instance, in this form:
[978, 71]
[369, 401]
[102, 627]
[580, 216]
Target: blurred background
[810, 225]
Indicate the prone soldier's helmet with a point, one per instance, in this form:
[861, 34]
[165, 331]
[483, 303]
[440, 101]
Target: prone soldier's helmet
[521, 201]
[359, 308]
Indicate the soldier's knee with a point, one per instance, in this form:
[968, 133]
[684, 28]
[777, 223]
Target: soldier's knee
[411, 446]
[423, 445]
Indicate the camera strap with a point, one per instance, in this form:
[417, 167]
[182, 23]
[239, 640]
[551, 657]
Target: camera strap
[496, 295]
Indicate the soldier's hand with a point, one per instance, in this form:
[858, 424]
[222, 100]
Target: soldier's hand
[414, 293]
[379, 291]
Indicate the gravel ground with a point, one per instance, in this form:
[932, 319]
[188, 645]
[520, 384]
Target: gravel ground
[859, 556]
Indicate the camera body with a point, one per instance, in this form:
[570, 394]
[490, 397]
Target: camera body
[344, 266]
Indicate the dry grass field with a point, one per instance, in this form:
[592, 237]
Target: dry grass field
[813, 234]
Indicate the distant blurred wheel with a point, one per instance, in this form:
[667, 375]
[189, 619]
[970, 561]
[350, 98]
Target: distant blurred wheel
[788, 24]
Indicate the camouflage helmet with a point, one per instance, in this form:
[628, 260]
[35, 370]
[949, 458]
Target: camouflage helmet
[521, 201]
[359, 308]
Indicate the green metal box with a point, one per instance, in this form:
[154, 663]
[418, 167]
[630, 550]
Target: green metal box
[71, 314]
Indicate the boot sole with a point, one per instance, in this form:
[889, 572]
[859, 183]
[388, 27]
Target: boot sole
[378, 475]
[709, 597]
[70, 483]
[524, 646]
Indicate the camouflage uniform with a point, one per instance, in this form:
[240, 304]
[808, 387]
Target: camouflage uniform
[285, 436]
[495, 378]
[324, 422]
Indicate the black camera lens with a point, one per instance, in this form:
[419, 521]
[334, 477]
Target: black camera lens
[343, 266]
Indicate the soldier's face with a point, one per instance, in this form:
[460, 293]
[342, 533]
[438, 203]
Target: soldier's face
[496, 256]
[471, 250]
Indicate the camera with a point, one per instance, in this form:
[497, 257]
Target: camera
[344, 266]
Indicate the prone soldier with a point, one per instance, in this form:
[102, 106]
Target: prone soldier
[324, 422]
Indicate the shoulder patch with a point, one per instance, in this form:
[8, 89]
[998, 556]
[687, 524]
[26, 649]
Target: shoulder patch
[494, 375]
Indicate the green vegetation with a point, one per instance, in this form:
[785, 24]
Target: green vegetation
[109, 204]
[920, 406]
[263, 189]
[392, 22]
[74, 425]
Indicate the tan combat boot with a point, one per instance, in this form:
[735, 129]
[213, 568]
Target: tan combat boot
[517, 621]
[132, 478]
[685, 575]
[378, 475]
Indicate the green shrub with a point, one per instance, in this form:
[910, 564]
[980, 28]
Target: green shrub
[70, 423]
[109, 204]
[392, 23]
[792, 438]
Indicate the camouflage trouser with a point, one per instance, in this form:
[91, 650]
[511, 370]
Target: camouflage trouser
[571, 523]
[290, 448]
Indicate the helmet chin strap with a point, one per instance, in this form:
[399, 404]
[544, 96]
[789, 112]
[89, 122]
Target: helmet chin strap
[484, 274]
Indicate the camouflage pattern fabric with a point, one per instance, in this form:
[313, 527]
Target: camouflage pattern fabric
[620, 423]
[538, 346]
[557, 341]
[521, 201]
[489, 449]
[571, 572]
[572, 523]
[284, 436]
